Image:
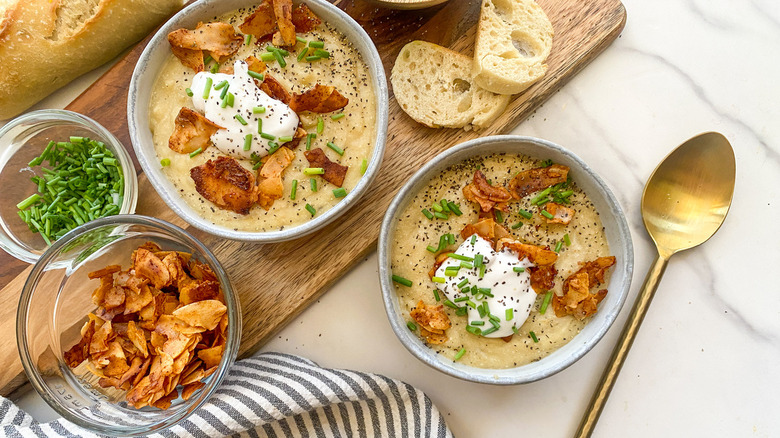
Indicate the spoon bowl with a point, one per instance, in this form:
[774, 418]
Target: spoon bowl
[684, 203]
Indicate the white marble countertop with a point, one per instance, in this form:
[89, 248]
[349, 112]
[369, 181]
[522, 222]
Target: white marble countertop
[707, 359]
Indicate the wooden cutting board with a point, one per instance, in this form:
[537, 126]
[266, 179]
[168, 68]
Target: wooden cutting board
[276, 282]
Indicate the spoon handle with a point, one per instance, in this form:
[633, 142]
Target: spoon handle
[620, 352]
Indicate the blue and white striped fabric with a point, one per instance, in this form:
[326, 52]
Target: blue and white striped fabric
[279, 395]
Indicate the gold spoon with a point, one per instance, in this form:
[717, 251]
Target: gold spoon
[684, 203]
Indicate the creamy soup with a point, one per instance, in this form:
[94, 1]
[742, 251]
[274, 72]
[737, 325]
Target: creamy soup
[354, 133]
[411, 260]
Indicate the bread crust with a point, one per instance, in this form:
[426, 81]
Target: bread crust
[44, 47]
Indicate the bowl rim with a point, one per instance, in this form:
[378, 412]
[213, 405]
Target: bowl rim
[139, 127]
[231, 302]
[449, 157]
[128, 169]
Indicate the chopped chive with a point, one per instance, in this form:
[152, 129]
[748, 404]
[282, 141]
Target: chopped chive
[471, 304]
[316, 44]
[441, 215]
[566, 239]
[558, 246]
[438, 279]
[267, 136]
[322, 53]
[489, 331]
[444, 206]
[196, 152]
[312, 58]
[320, 125]
[463, 283]
[274, 146]
[337, 149]
[189, 92]
[473, 239]
[460, 257]
[260, 126]
[449, 303]
[436, 295]
[461, 299]
[437, 207]
[460, 353]
[207, 60]
[478, 322]
[466, 265]
[526, 214]
[473, 330]
[412, 326]
[230, 99]
[224, 92]
[214, 68]
[240, 119]
[451, 238]
[340, 192]
[429, 248]
[547, 214]
[280, 58]
[256, 75]
[363, 166]
[545, 302]
[165, 162]
[266, 57]
[311, 209]
[499, 217]
[308, 141]
[248, 142]
[478, 260]
[533, 336]
[566, 194]
[481, 311]
[517, 225]
[294, 189]
[461, 311]
[543, 194]
[220, 85]
[207, 88]
[32, 199]
[450, 272]
[455, 209]
[313, 171]
[494, 323]
[427, 213]
[304, 52]
[247, 39]
[337, 116]
[313, 184]
[258, 110]
[510, 314]
[400, 280]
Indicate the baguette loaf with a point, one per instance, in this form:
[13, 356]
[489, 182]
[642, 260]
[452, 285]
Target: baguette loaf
[433, 85]
[514, 38]
[44, 44]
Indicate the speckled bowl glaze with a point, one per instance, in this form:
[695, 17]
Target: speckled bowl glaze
[146, 72]
[616, 230]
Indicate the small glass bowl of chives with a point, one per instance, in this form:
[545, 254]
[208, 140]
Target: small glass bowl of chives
[27, 138]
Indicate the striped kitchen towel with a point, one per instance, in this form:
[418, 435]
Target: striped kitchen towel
[280, 395]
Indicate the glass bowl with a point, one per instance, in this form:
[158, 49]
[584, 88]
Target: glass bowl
[23, 139]
[54, 305]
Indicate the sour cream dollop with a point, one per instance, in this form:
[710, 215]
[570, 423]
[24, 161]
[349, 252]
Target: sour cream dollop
[277, 120]
[509, 289]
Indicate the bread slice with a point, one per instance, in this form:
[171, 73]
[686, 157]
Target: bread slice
[433, 85]
[514, 38]
[45, 44]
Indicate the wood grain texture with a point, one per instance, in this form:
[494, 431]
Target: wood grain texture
[276, 282]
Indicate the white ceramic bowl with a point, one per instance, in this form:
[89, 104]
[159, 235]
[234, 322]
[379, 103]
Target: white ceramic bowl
[616, 230]
[153, 58]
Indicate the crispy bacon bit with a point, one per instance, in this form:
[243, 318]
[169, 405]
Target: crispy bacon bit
[149, 266]
[577, 299]
[487, 196]
[334, 172]
[262, 22]
[192, 131]
[283, 12]
[542, 278]
[433, 321]
[275, 90]
[270, 186]
[487, 228]
[189, 58]
[535, 254]
[320, 99]
[299, 135]
[304, 19]
[219, 39]
[255, 65]
[533, 180]
[225, 183]
[79, 352]
[561, 214]
[437, 264]
[108, 270]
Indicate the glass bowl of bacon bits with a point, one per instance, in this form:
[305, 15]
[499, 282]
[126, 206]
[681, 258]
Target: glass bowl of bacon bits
[126, 325]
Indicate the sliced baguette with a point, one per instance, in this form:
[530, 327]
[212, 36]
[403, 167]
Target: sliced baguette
[514, 38]
[433, 85]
